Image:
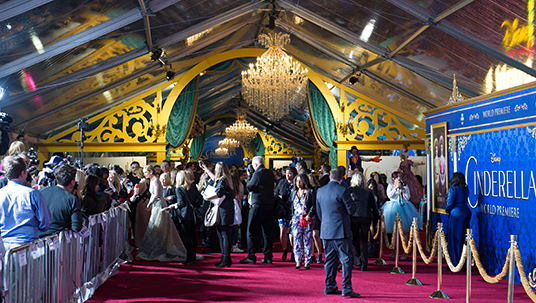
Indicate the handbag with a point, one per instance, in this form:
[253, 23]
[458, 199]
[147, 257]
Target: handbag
[237, 213]
[303, 222]
[210, 191]
[212, 217]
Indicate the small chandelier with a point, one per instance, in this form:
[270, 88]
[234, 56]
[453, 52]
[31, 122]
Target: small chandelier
[229, 143]
[276, 82]
[241, 130]
[221, 151]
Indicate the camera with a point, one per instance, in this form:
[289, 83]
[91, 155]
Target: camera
[32, 154]
[5, 121]
[83, 124]
[402, 182]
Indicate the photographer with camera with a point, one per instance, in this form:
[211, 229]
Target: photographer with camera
[399, 195]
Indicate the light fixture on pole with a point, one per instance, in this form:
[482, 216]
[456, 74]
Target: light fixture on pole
[276, 82]
[241, 130]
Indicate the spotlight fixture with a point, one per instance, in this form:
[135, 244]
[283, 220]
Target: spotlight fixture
[157, 54]
[353, 80]
[170, 75]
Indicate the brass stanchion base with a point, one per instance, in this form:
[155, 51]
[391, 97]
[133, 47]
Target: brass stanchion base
[439, 294]
[414, 281]
[380, 261]
[397, 270]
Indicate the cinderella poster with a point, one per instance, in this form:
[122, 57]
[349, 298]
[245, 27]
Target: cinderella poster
[439, 167]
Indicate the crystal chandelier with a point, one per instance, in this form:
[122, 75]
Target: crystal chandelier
[241, 130]
[221, 151]
[276, 82]
[229, 143]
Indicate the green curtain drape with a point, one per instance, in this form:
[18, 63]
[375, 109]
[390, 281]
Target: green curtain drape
[181, 115]
[258, 146]
[324, 120]
[197, 146]
[223, 66]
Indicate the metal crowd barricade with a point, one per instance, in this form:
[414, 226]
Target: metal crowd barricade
[69, 266]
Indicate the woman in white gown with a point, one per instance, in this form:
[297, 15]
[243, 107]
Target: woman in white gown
[161, 241]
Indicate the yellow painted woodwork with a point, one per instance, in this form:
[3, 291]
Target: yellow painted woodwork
[277, 147]
[134, 114]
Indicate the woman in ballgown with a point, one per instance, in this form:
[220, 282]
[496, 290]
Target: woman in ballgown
[161, 241]
[415, 188]
[399, 196]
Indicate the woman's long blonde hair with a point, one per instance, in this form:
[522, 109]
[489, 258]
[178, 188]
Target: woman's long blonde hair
[222, 171]
[183, 180]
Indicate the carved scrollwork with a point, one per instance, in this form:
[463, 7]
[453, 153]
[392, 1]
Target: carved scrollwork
[134, 123]
[277, 147]
[368, 122]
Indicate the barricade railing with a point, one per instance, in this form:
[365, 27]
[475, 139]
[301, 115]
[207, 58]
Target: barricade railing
[469, 254]
[69, 266]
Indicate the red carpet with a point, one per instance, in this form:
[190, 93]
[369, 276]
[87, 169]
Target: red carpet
[142, 281]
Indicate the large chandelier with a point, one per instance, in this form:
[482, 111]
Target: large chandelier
[241, 130]
[229, 143]
[276, 82]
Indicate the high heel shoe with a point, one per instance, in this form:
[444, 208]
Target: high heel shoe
[298, 266]
[284, 257]
[306, 266]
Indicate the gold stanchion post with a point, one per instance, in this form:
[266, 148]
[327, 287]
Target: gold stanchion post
[468, 262]
[381, 261]
[414, 280]
[513, 244]
[439, 294]
[396, 269]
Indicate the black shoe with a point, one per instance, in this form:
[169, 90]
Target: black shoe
[191, 263]
[292, 259]
[351, 295]
[298, 266]
[226, 263]
[363, 268]
[247, 261]
[319, 260]
[284, 257]
[306, 266]
[334, 292]
[266, 261]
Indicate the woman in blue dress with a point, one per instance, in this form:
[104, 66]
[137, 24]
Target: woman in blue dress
[459, 216]
[399, 195]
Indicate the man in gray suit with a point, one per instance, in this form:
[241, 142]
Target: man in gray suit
[334, 206]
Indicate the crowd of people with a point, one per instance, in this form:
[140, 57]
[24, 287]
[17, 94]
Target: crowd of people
[323, 212]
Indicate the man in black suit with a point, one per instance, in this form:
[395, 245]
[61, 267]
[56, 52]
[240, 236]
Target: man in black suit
[261, 213]
[334, 206]
[325, 175]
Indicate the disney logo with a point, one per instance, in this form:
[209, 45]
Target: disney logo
[495, 159]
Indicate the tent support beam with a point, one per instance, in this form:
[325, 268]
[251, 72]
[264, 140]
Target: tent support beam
[78, 39]
[419, 13]
[16, 7]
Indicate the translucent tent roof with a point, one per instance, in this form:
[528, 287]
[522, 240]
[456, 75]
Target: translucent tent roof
[62, 60]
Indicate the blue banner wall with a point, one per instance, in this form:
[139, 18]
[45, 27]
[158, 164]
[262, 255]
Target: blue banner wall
[495, 142]
[211, 144]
